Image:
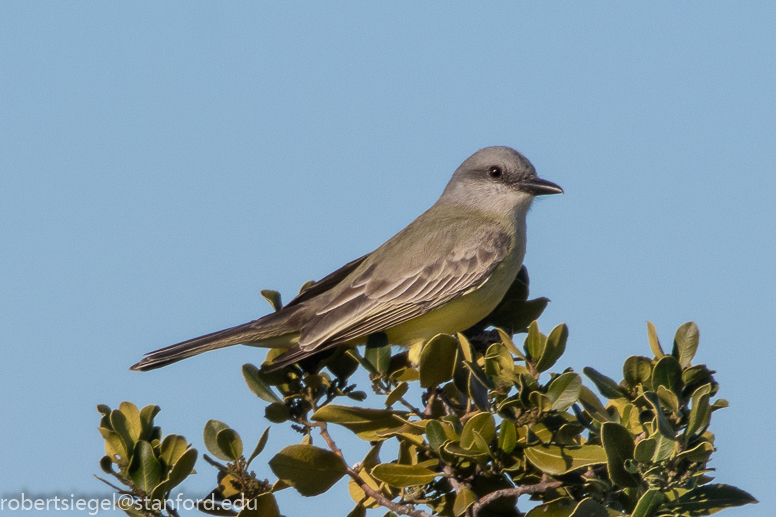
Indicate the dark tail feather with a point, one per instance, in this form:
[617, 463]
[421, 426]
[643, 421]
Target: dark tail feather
[271, 325]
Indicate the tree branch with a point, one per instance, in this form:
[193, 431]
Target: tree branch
[543, 486]
[368, 490]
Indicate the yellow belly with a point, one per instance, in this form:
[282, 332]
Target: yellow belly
[459, 314]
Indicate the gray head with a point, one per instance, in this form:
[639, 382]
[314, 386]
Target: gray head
[496, 176]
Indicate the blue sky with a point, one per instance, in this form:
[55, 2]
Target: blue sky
[161, 164]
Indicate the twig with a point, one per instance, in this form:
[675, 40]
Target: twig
[368, 490]
[543, 486]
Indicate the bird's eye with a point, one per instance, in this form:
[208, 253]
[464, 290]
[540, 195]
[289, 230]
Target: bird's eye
[495, 171]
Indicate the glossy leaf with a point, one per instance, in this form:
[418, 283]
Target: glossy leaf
[264, 505]
[437, 360]
[259, 445]
[435, 434]
[619, 446]
[649, 504]
[482, 423]
[554, 348]
[311, 470]
[506, 339]
[700, 414]
[664, 426]
[463, 501]
[534, 342]
[144, 470]
[257, 386]
[184, 466]
[564, 391]
[209, 436]
[277, 413]
[654, 342]
[378, 352]
[637, 370]
[668, 373]
[397, 393]
[173, 447]
[229, 443]
[686, 343]
[590, 508]
[507, 436]
[709, 499]
[147, 415]
[592, 405]
[645, 450]
[556, 460]
[401, 476]
[606, 386]
[365, 422]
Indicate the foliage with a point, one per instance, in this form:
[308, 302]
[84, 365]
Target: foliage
[493, 424]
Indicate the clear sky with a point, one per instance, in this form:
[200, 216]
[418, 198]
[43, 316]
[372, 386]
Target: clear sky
[161, 164]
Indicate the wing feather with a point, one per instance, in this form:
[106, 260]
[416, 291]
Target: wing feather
[378, 299]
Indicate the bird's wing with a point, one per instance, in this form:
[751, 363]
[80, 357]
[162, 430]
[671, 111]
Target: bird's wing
[327, 282]
[378, 298]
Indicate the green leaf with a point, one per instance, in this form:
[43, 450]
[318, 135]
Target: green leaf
[654, 343]
[173, 447]
[397, 393]
[506, 339]
[114, 445]
[700, 453]
[273, 297]
[637, 370]
[229, 443]
[463, 501]
[435, 434]
[564, 391]
[184, 466]
[135, 425]
[260, 445]
[645, 451]
[311, 470]
[665, 448]
[649, 503]
[619, 446]
[378, 351]
[277, 413]
[556, 460]
[147, 415]
[686, 343]
[257, 386]
[554, 348]
[401, 476]
[210, 437]
[592, 405]
[700, 414]
[365, 422]
[663, 425]
[507, 436]
[534, 342]
[144, 470]
[668, 373]
[590, 508]
[709, 499]
[563, 507]
[264, 505]
[119, 423]
[482, 423]
[606, 386]
[437, 360]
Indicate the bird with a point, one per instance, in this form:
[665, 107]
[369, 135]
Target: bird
[443, 273]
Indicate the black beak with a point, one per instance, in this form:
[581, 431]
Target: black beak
[539, 187]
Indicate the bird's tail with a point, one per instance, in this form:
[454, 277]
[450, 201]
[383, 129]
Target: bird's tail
[274, 325]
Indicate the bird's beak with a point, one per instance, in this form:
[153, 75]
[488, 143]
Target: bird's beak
[539, 187]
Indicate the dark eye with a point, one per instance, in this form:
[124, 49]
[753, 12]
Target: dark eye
[495, 171]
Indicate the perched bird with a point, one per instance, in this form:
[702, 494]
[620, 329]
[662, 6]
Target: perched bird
[443, 273]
